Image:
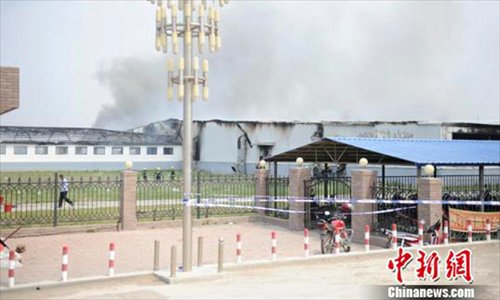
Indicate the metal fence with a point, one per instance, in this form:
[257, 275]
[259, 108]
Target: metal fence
[278, 190]
[215, 195]
[470, 187]
[320, 188]
[397, 188]
[35, 202]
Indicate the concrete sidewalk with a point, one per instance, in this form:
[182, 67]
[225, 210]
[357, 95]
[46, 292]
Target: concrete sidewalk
[88, 252]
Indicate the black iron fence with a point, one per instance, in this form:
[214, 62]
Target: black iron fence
[471, 187]
[397, 188]
[320, 190]
[278, 191]
[36, 202]
[213, 195]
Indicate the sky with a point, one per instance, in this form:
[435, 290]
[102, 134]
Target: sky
[93, 63]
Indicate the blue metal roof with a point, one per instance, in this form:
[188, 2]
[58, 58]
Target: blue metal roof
[429, 151]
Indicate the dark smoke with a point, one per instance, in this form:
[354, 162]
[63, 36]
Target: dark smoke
[330, 60]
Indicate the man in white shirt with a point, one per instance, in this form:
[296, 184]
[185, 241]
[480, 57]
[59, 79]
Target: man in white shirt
[63, 195]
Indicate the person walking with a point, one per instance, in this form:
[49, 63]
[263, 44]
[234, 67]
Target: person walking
[63, 195]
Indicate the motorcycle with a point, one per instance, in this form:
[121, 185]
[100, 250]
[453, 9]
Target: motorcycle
[405, 239]
[328, 225]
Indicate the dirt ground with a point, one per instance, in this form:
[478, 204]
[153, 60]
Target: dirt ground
[348, 277]
[88, 252]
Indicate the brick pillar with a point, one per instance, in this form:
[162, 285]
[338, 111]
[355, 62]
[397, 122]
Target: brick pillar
[362, 183]
[261, 190]
[128, 201]
[297, 177]
[430, 189]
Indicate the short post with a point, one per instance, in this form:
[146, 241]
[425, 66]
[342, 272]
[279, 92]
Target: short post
[64, 268]
[12, 268]
[220, 266]
[488, 230]
[111, 262]
[238, 248]
[445, 232]
[421, 233]
[173, 261]
[200, 251]
[337, 240]
[156, 262]
[394, 236]
[367, 237]
[306, 242]
[273, 246]
[469, 231]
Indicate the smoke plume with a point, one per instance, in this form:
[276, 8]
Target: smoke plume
[332, 61]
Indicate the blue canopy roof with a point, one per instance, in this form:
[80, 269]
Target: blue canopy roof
[398, 151]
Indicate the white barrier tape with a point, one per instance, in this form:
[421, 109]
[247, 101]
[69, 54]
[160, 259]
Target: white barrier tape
[248, 207]
[300, 211]
[346, 200]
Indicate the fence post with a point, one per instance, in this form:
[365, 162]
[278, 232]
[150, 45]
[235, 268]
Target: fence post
[362, 184]
[220, 266]
[128, 200]
[12, 268]
[156, 262]
[173, 261]
[488, 230]
[200, 251]
[56, 198]
[261, 190]
[430, 188]
[111, 259]
[367, 237]
[198, 195]
[394, 234]
[296, 191]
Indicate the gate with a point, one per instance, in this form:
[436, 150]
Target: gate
[320, 189]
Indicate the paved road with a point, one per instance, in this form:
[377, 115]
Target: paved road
[354, 277]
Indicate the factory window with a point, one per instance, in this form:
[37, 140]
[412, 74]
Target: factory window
[41, 150]
[117, 150]
[81, 150]
[168, 151]
[20, 150]
[265, 150]
[99, 150]
[134, 151]
[3, 149]
[152, 151]
[61, 150]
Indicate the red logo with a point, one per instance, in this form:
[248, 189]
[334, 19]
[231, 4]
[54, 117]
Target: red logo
[457, 265]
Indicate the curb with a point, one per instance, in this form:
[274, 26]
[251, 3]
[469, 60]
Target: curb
[208, 272]
[59, 284]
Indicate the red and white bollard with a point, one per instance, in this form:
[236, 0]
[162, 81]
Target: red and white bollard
[12, 268]
[274, 246]
[367, 237]
[111, 262]
[64, 268]
[238, 248]
[421, 233]
[488, 230]
[306, 242]
[394, 237]
[469, 231]
[445, 232]
[337, 241]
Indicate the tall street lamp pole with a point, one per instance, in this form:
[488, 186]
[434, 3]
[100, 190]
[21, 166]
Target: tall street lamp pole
[188, 78]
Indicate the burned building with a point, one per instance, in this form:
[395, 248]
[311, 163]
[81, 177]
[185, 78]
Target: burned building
[219, 146]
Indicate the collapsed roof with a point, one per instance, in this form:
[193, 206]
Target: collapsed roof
[80, 136]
